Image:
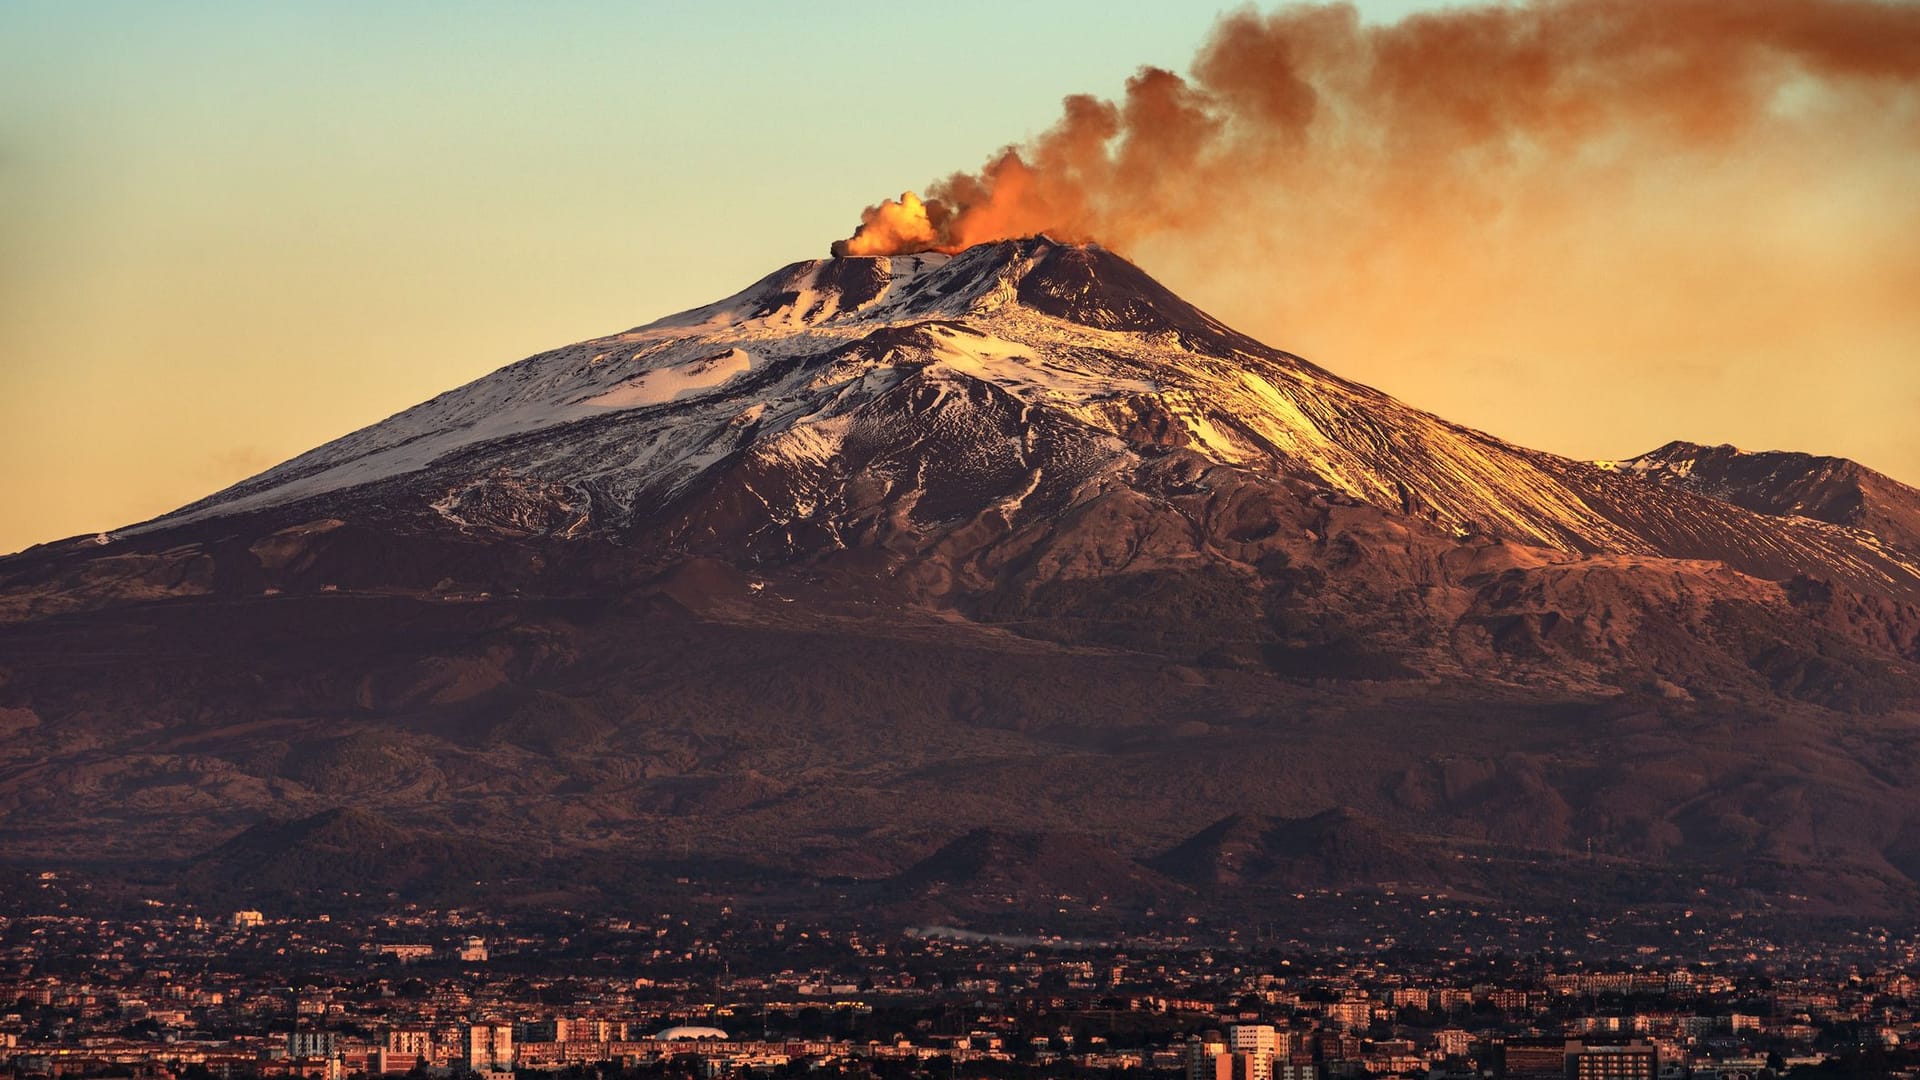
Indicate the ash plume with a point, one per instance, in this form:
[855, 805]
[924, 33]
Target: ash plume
[1440, 105]
[1708, 197]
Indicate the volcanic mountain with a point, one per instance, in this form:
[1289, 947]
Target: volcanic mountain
[881, 551]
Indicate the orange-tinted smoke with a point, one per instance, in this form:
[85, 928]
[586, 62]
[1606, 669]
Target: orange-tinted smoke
[1310, 104]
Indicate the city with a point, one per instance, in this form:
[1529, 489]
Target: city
[171, 992]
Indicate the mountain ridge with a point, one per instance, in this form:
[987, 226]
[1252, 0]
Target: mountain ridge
[877, 553]
[1835, 490]
[857, 313]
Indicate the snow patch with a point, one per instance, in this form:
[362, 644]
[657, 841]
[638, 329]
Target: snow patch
[809, 445]
[666, 384]
[1021, 370]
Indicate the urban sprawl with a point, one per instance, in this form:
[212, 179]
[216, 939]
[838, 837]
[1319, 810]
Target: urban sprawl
[175, 993]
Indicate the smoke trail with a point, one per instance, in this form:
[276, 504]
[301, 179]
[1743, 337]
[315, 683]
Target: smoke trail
[1438, 106]
[1690, 205]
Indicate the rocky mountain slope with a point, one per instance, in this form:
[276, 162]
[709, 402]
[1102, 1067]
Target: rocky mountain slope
[1006, 378]
[879, 552]
[1833, 490]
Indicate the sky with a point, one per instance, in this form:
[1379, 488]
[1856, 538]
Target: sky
[230, 232]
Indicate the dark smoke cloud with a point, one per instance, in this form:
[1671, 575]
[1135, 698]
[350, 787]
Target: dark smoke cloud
[1686, 210]
[1436, 106]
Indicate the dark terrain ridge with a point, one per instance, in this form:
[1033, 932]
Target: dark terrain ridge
[988, 588]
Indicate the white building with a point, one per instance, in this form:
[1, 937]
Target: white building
[1260, 1042]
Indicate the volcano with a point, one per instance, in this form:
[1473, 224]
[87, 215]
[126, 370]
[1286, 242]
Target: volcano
[880, 552]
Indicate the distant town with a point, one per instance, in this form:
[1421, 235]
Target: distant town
[173, 991]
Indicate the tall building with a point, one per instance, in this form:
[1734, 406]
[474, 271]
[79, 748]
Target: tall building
[415, 1041]
[1204, 1052]
[405, 1049]
[1253, 1038]
[1453, 1042]
[1259, 1042]
[590, 1031]
[490, 1047]
[552, 1029]
[311, 1044]
[1334, 1045]
[1352, 1012]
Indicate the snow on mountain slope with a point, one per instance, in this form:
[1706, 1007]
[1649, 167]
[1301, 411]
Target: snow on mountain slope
[991, 345]
[889, 543]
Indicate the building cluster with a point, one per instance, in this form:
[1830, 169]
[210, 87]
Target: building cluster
[168, 994]
[1263, 1052]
